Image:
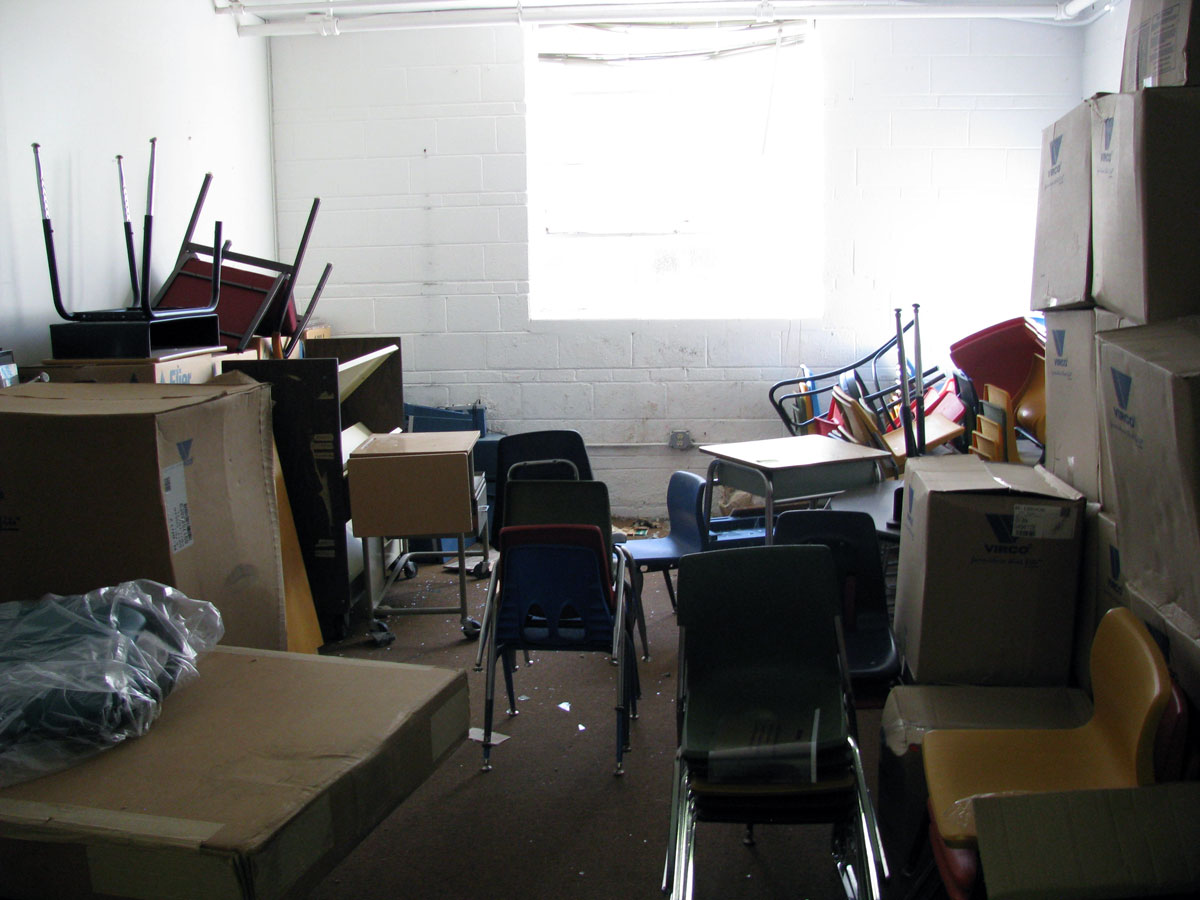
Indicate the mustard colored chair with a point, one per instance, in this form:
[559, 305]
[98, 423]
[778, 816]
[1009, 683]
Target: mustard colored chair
[1113, 749]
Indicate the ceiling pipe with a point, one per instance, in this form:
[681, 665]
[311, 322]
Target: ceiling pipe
[392, 15]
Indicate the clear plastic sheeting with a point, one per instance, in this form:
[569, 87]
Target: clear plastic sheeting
[959, 817]
[80, 674]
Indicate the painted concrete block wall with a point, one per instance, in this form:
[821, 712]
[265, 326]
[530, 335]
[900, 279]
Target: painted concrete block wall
[415, 143]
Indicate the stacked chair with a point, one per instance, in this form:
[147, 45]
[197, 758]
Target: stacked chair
[766, 723]
[871, 654]
[563, 579]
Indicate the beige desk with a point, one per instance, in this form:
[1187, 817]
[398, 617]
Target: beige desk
[421, 484]
[257, 779]
[790, 468]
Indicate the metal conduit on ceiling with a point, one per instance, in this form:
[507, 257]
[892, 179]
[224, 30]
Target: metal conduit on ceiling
[267, 19]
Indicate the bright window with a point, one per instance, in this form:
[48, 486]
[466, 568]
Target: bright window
[669, 181]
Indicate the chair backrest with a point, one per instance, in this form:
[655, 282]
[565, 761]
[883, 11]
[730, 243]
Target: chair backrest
[854, 543]
[685, 495]
[1130, 689]
[554, 587]
[553, 502]
[767, 606]
[553, 446]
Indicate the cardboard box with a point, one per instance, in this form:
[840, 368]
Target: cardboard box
[1062, 248]
[410, 485]
[1179, 630]
[198, 369]
[1102, 587]
[1146, 203]
[1160, 39]
[1073, 396]
[1150, 378]
[1122, 842]
[255, 782]
[988, 573]
[101, 483]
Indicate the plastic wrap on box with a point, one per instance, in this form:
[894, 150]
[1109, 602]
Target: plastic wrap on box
[80, 674]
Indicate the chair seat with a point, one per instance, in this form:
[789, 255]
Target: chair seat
[727, 532]
[772, 739]
[659, 553]
[970, 763]
[871, 653]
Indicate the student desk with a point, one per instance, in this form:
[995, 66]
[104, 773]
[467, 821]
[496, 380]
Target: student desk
[257, 779]
[879, 501]
[790, 468]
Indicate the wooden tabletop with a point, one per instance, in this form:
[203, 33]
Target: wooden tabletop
[776, 454]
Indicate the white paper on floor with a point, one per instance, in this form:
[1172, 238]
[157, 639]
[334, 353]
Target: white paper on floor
[476, 734]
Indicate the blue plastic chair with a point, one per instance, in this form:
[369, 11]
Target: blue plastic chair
[550, 454]
[553, 589]
[871, 654]
[661, 554]
[691, 531]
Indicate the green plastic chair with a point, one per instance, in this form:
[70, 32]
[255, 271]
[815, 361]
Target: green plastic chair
[766, 724]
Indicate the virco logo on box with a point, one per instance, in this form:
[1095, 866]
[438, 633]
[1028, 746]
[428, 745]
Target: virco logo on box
[1123, 387]
[1106, 154]
[1059, 337]
[1122, 420]
[1006, 541]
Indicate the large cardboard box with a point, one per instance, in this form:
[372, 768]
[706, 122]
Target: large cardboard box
[1179, 630]
[1146, 203]
[257, 779]
[1161, 38]
[1077, 845]
[1073, 449]
[1102, 587]
[988, 573]
[1150, 378]
[198, 369]
[409, 485]
[101, 483]
[1062, 249]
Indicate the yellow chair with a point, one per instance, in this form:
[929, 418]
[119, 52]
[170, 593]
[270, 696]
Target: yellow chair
[1114, 749]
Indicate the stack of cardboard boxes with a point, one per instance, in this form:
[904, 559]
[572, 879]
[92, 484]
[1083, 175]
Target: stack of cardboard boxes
[1117, 272]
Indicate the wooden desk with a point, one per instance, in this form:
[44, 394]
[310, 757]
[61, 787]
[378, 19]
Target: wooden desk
[790, 468]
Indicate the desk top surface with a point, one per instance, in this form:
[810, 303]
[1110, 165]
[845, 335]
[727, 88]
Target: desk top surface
[776, 454]
[418, 442]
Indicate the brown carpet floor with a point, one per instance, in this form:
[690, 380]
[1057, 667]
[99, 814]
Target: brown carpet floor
[551, 820]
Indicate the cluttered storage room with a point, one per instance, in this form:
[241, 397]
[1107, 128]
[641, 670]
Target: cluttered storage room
[525, 449]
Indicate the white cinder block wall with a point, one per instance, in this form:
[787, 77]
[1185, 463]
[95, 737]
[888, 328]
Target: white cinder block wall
[414, 140]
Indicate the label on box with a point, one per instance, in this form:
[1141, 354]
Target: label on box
[179, 522]
[1054, 523]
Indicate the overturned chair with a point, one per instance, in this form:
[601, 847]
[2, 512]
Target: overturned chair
[767, 728]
